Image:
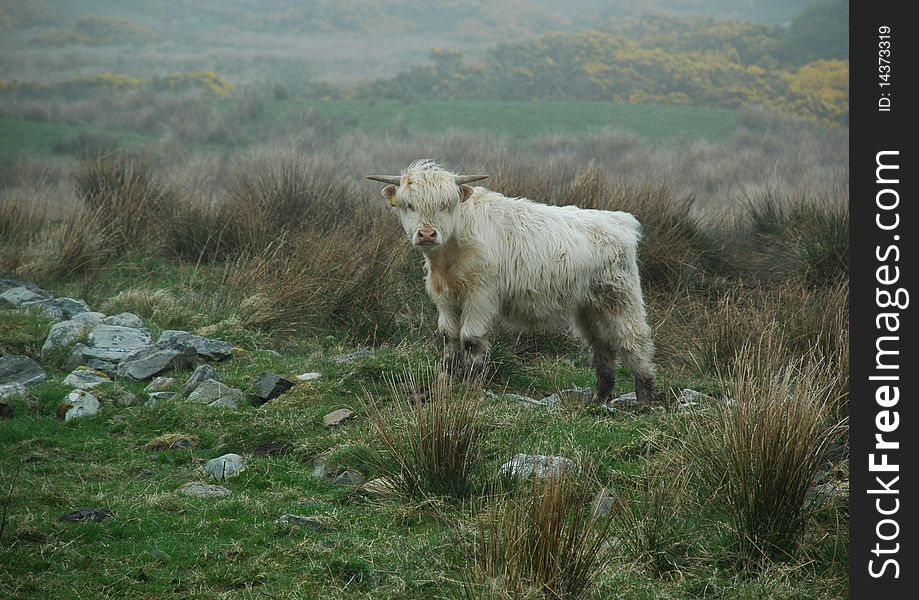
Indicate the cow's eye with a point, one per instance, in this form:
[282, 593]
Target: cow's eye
[409, 206]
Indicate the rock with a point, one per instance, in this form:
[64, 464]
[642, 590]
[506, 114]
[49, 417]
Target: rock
[97, 360]
[62, 309]
[77, 404]
[211, 390]
[85, 379]
[88, 514]
[225, 402]
[224, 467]
[65, 334]
[160, 384]
[8, 391]
[204, 347]
[380, 487]
[548, 401]
[269, 386]
[21, 369]
[309, 376]
[337, 417]
[21, 297]
[125, 399]
[348, 478]
[835, 493]
[6, 412]
[352, 356]
[198, 489]
[125, 319]
[147, 362]
[688, 398]
[154, 398]
[525, 465]
[118, 339]
[171, 441]
[8, 284]
[576, 395]
[605, 502]
[314, 523]
[201, 374]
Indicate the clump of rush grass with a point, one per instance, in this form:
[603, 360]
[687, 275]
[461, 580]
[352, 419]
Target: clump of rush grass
[760, 454]
[431, 434]
[653, 525]
[540, 539]
[128, 197]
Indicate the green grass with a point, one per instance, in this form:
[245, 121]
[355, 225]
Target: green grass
[525, 119]
[21, 137]
[516, 121]
[161, 544]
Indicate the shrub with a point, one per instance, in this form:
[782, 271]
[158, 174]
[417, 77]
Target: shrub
[128, 197]
[539, 539]
[760, 454]
[431, 435]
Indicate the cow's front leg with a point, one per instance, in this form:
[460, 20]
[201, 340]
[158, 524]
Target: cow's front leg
[477, 318]
[448, 323]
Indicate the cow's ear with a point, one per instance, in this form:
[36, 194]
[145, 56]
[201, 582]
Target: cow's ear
[465, 192]
[389, 192]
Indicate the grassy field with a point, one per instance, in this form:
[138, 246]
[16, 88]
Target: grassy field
[514, 121]
[279, 253]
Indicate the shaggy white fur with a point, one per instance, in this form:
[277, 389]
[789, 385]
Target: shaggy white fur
[491, 258]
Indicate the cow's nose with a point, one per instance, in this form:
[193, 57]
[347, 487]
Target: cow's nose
[427, 234]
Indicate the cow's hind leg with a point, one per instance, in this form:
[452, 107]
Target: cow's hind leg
[637, 351]
[604, 354]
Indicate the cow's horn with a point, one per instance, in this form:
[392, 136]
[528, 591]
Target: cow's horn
[462, 179]
[393, 179]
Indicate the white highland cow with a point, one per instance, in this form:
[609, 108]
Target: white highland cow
[490, 259]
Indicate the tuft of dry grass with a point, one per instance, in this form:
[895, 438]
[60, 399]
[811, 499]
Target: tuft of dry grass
[760, 453]
[431, 434]
[540, 539]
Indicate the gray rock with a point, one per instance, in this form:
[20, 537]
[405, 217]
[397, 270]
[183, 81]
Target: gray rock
[627, 398]
[125, 399]
[269, 386]
[83, 356]
[65, 334]
[125, 319]
[147, 362]
[61, 309]
[88, 514]
[313, 523]
[198, 489]
[154, 398]
[160, 384]
[78, 404]
[224, 467]
[118, 339]
[689, 398]
[205, 347]
[211, 390]
[8, 284]
[201, 374]
[85, 379]
[337, 417]
[348, 478]
[21, 297]
[352, 356]
[309, 376]
[21, 369]
[225, 402]
[525, 465]
[8, 391]
[604, 503]
[575, 395]
[548, 401]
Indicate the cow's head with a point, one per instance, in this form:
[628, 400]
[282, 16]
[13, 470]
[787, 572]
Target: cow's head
[427, 199]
